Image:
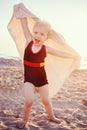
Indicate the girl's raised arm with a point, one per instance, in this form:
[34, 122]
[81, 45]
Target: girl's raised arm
[59, 53]
[26, 30]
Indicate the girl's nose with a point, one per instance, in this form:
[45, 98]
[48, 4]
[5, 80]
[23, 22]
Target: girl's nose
[38, 36]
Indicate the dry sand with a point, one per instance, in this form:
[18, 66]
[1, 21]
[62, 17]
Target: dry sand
[70, 103]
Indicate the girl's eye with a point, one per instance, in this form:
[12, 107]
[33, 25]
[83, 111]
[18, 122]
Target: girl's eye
[35, 32]
[42, 34]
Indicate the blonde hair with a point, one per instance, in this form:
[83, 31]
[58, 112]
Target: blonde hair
[56, 37]
[44, 24]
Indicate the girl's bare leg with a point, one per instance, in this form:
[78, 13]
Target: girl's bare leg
[44, 94]
[28, 92]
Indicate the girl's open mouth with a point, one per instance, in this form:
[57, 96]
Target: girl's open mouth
[37, 40]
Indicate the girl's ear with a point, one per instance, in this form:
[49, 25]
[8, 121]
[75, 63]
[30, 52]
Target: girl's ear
[48, 36]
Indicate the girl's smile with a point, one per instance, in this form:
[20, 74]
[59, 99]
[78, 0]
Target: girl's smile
[37, 40]
[39, 34]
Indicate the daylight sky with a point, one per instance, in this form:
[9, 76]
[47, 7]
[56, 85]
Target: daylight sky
[68, 17]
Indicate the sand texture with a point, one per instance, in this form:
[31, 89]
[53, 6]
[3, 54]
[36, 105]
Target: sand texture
[70, 104]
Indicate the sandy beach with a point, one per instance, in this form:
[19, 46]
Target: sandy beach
[70, 103]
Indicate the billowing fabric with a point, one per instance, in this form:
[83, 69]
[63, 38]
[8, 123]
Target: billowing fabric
[58, 69]
[35, 75]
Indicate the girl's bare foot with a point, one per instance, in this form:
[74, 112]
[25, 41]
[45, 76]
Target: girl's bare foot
[56, 120]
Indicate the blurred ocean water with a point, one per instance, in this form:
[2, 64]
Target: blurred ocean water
[9, 57]
[83, 64]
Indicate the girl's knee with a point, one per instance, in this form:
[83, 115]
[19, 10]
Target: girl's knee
[45, 102]
[28, 103]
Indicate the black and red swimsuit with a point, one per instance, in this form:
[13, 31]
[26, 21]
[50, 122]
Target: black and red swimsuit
[35, 75]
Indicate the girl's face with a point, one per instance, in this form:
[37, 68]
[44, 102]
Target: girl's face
[40, 34]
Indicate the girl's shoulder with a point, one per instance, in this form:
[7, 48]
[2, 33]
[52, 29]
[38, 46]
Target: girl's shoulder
[30, 42]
